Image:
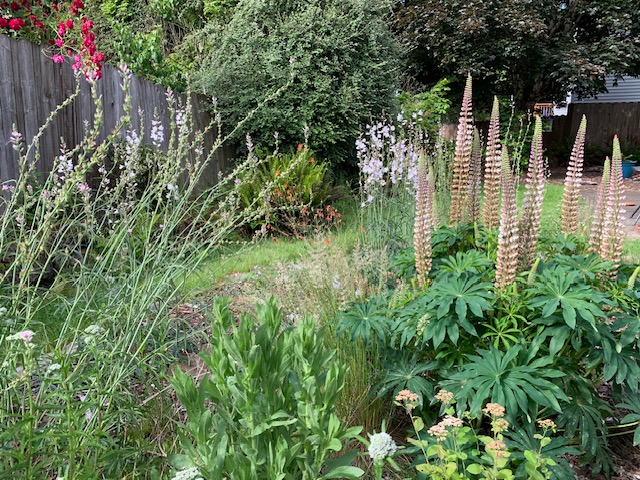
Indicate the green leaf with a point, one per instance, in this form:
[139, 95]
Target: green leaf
[531, 457]
[474, 469]
[343, 472]
[180, 462]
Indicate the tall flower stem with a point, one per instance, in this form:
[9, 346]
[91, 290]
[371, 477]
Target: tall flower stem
[492, 170]
[475, 181]
[508, 240]
[423, 222]
[572, 182]
[462, 160]
[529, 227]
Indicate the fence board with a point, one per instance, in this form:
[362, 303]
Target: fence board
[7, 117]
[604, 120]
[32, 86]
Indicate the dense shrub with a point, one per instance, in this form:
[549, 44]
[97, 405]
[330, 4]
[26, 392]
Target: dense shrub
[338, 57]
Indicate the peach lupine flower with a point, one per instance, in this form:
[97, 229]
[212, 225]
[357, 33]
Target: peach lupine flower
[493, 170]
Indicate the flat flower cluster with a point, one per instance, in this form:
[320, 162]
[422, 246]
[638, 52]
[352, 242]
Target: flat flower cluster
[381, 446]
[440, 432]
[25, 336]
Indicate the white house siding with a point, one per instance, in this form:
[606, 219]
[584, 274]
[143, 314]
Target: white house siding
[627, 90]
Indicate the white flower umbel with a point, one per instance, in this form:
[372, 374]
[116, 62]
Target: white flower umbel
[381, 446]
[188, 474]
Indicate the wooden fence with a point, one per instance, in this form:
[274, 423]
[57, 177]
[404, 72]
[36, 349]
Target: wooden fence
[32, 86]
[604, 120]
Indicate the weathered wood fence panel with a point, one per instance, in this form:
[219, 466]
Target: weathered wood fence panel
[32, 86]
[604, 120]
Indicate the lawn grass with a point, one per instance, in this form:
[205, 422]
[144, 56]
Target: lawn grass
[242, 257]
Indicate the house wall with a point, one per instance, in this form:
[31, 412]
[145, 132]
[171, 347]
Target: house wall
[627, 90]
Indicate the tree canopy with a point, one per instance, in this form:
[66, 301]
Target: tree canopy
[536, 50]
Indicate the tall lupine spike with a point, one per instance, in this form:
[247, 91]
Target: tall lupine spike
[529, 227]
[595, 240]
[612, 225]
[475, 180]
[462, 159]
[435, 220]
[572, 182]
[492, 169]
[508, 239]
[423, 222]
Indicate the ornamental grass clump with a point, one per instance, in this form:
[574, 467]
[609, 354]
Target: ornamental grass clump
[529, 227]
[462, 161]
[572, 182]
[92, 260]
[493, 170]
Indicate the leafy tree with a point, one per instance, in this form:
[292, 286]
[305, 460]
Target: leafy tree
[340, 52]
[535, 50]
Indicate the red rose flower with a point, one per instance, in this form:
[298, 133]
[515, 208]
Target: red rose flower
[14, 6]
[16, 24]
[4, 23]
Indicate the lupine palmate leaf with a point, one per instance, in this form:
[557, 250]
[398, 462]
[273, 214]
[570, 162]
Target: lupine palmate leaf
[510, 379]
[471, 261]
[560, 290]
[407, 373]
[632, 403]
[583, 418]
[365, 321]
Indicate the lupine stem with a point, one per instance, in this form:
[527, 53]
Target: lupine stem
[492, 171]
[572, 182]
[462, 161]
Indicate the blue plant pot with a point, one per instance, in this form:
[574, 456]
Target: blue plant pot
[627, 169]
